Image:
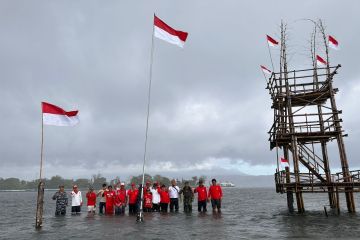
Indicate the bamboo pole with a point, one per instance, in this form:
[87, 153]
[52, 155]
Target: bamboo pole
[140, 216]
[41, 186]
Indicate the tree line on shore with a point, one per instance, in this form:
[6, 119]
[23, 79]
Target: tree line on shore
[95, 181]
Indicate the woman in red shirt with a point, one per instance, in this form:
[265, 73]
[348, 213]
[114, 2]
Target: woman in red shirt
[91, 200]
[110, 197]
[164, 198]
[120, 200]
[148, 201]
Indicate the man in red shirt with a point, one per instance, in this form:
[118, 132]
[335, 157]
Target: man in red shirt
[110, 197]
[120, 200]
[91, 200]
[202, 196]
[215, 193]
[148, 201]
[164, 198]
[132, 195]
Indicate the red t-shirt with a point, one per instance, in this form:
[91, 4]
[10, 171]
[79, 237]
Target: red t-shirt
[215, 192]
[164, 196]
[109, 195]
[133, 194]
[148, 200]
[120, 197]
[201, 191]
[91, 198]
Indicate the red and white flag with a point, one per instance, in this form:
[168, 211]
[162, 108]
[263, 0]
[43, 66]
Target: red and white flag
[272, 42]
[265, 69]
[168, 34]
[333, 43]
[320, 61]
[284, 162]
[56, 116]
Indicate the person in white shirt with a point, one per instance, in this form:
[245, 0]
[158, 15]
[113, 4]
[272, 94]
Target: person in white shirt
[174, 196]
[76, 200]
[155, 197]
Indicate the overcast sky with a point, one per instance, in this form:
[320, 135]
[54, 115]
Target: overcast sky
[210, 112]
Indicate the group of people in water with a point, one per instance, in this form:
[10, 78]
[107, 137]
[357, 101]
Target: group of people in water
[156, 198]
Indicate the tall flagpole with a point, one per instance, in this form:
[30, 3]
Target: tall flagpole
[140, 216]
[41, 186]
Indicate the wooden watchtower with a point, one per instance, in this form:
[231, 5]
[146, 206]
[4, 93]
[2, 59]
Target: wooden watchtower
[306, 119]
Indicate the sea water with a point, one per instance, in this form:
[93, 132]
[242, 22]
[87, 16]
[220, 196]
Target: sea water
[246, 214]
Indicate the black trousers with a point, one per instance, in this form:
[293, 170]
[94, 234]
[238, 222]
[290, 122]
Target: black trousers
[156, 207]
[133, 208]
[174, 202]
[202, 206]
[164, 207]
[75, 209]
[102, 207]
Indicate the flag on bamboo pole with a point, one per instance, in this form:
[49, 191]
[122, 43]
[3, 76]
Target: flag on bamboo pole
[169, 34]
[56, 116]
[333, 43]
[265, 69]
[271, 41]
[284, 162]
[320, 61]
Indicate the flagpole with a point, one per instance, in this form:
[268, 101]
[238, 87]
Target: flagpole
[140, 216]
[272, 64]
[41, 186]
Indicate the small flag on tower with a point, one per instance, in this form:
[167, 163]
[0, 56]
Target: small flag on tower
[265, 69]
[284, 162]
[168, 34]
[333, 43]
[56, 116]
[320, 61]
[272, 42]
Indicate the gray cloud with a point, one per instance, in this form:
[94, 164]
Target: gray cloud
[208, 100]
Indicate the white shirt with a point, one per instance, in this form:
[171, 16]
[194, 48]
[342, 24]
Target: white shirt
[76, 198]
[155, 196]
[174, 192]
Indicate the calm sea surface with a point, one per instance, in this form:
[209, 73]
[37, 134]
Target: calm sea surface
[247, 214]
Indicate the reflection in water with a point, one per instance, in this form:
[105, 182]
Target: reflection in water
[246, 214]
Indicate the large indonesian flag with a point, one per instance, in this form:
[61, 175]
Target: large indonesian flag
[168, 34]
[56, 116]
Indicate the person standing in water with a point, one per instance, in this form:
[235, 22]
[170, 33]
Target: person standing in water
[155, 197]
[120, 200]
[188, 197]
[61, 201]
[101, 194]
[215, 194]
[132, 195]
[164, 198]
[174, 196]
[110, 197]
[76, 200]
[91, 200]
[202, 196]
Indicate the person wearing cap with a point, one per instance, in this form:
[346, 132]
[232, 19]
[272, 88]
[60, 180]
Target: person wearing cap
[110, 197]
[91, 200]
[120, 200]
[155, 197]
[202, 196]
[76, 200]
[188, 197]
[132, 195]
[215, 194]
[61, 201]
[174, 196]
[101, 194]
